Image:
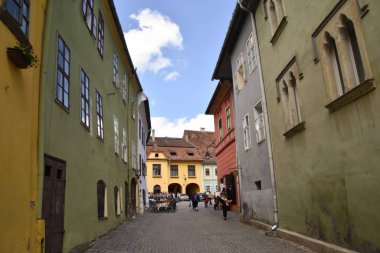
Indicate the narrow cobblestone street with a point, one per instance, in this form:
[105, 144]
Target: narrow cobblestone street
[188, 231]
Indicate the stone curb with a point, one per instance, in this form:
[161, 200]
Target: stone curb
[308, 242]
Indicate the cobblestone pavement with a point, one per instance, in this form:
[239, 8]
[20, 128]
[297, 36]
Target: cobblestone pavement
[189, 231]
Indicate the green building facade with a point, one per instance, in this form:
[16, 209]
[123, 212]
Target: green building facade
[88, 124]
[320, 68]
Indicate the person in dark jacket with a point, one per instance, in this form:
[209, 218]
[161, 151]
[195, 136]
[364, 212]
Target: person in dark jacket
[195, 200]
[224, 201]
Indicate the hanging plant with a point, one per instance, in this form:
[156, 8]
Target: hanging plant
[22, 56]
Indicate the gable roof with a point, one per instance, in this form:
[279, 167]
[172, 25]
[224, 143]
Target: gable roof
[204, 141]
[175, 149]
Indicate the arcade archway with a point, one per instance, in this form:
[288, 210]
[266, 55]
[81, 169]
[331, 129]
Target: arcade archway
[192, 189]
[174, 188]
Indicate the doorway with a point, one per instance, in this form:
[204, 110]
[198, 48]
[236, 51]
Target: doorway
[53, 203]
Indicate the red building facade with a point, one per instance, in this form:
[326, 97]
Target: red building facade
[221, 106]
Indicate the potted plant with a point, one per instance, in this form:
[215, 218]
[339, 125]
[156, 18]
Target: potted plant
[22, 56]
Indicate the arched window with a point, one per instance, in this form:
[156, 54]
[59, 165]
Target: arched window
[156, 189]
[334, 64]
[296, 108]
[117, 201]
[102, 199]
[348, 34]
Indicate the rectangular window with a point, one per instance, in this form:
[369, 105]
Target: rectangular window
[173, 153]
[89, 17]
[99, 115]
[207, 172]
[191, 170]
[101, 34]
[207, 188]
[63, 74]
[246, 133]
[124, 146]
[116, 130]
[19, 10]
[174, 170]
[259, 122]
[140, 130]
[133, 114]
[251, 54]
[156, 170]
[115, 68]
[220, 129]
[85, 99]
[228, 118]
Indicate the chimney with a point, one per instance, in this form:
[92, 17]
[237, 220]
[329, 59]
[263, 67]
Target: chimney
[187, 138]
[153, 135]
[203, 129]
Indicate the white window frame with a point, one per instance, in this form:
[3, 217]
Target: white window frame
[259, 121]
[116, 136]
[246, 132]
[251, 53]
[124, 147]
[115, 67]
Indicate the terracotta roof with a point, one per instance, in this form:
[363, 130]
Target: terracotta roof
[204, 141]
[176, 149]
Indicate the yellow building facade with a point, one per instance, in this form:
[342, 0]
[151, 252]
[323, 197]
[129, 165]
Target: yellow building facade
[20, 230]
[173, 166]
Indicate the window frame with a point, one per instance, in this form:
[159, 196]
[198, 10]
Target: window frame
[259, 117]
[116, 134]
[115, 67]
[156, 170]
[191, 167]
[251, 53]
[100, 44]
[246, 132]
[220, 129]
[124, 150]
[20, 18]
[99, 116]
[228, 119]
[65, 74]
[175, 167]
[85, 100]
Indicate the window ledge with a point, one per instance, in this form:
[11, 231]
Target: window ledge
[174, 176]
[157, 176]
[102, 218]
[351, 95]
[279, 30]
[295, 130]
[191, 176]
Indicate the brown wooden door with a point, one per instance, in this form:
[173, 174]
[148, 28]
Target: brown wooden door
[53, 204]
[133, 197]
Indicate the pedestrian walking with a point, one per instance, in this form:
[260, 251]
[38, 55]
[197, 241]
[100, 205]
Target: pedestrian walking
[195, 202]
[206, 200]
[224, 202]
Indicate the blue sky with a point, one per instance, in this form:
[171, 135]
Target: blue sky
[175, 45]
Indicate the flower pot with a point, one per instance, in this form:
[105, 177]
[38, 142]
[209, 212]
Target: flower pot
[18, 58]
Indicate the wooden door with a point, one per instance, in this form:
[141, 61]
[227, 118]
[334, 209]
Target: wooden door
[133, 197]
[53, 203]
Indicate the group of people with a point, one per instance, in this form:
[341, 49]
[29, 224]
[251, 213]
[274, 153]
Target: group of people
[221, 201]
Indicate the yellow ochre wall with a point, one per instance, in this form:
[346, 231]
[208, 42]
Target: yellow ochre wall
[165, 180]
[20, 231]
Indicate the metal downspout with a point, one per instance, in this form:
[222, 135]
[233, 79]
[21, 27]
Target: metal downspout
[266, 118]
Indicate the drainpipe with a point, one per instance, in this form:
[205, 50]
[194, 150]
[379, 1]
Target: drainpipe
[265, 112]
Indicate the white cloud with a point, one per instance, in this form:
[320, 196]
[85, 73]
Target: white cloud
[172, 76]
[154, 33]
[165, 128]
